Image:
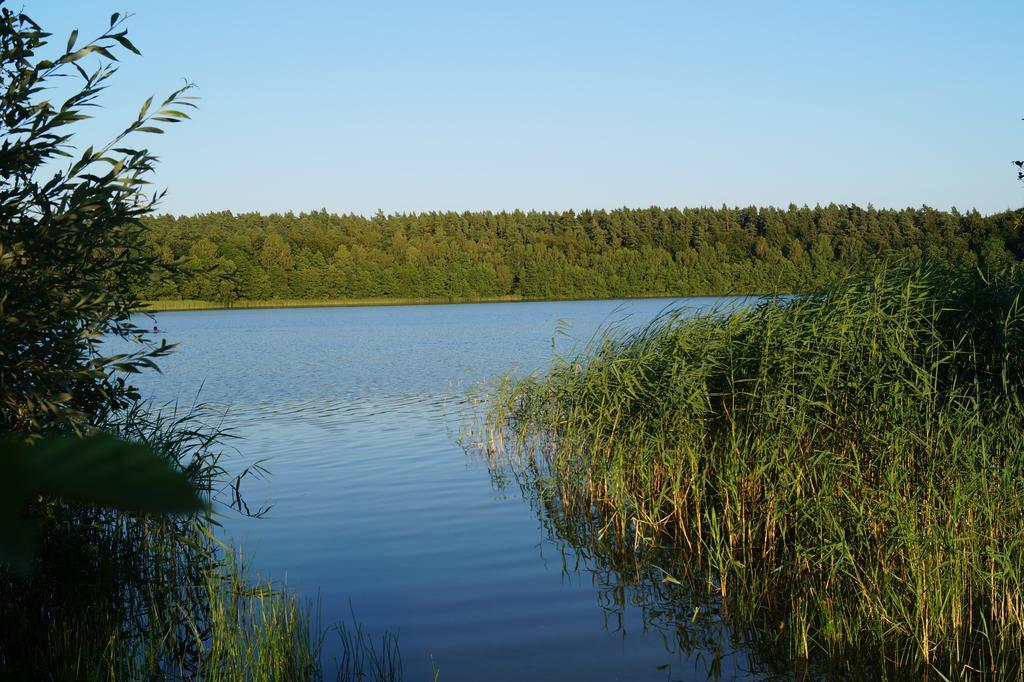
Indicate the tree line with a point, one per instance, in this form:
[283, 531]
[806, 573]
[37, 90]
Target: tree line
[224, 257]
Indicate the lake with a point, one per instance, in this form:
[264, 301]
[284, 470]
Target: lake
[378, 510]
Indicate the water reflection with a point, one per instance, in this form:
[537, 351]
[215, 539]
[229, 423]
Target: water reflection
[374, 505]
[705, 630]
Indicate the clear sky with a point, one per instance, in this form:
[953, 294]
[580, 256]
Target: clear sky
[418, 106]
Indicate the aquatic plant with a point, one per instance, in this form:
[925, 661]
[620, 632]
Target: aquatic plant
[845, 464]
[113, 594]
[365, 657]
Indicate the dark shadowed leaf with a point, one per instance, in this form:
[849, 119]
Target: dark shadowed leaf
[99, 470]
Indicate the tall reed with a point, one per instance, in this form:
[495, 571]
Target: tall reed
[118, 596]
[849, 461]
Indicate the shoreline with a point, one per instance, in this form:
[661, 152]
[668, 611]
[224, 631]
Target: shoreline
[185, 305]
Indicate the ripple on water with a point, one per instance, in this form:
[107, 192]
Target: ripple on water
[354, 410]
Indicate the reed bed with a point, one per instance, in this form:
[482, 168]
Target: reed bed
[842, 468]
[168, 305]
[119, 596]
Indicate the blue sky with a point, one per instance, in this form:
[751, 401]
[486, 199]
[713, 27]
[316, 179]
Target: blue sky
[418, 106]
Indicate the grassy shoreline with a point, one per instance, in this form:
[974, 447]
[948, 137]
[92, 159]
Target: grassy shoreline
[174, 305]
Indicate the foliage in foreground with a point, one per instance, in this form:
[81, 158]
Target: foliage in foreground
[99, 470]
[115, 595]
[123, 595]
[71, 255]
[841, 470]
[120, 576]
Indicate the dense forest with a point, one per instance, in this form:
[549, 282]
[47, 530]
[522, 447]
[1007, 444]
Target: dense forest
[224, 257]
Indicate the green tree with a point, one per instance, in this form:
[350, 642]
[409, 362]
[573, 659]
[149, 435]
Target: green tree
[72, 260]
[547, 254]
[72, 250]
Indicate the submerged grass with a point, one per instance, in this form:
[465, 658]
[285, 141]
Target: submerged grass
[365, 658]
[844, 467]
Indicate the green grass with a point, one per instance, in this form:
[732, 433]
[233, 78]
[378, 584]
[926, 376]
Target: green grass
[841, 471]
[256, 630]
[195, 304]
[165, 305]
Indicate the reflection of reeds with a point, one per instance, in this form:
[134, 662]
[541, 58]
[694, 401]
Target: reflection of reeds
[849, 461]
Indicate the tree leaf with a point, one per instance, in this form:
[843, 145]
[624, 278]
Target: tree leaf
[127, 44]
[99, 470]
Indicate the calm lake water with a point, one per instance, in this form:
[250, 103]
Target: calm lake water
[377, 508]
